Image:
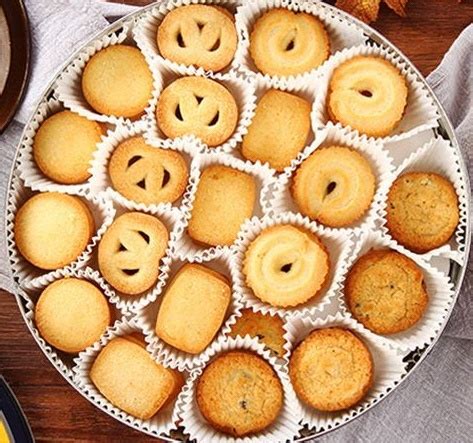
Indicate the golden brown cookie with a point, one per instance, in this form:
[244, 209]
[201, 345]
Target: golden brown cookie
[199, 35]
[196, 292]
[197, 106]
[72, 314]
[267, 328]
[334, 186]
[385, 291]
[63, 147]
[52, 229]
[369, 94]
[130, 252]
[422, 211]
[279, 129]
[117, 81]
[147, 175]
[288, 43]
[332, 369]
[239, 393]
[286, 266]
[225, 198]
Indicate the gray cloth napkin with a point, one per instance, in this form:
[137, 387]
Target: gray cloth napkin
[436, 403]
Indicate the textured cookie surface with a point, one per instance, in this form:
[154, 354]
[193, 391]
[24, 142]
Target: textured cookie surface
[195, 293]
[225, 198]
[199, 35]
[130, 252]
[197, 106]
[422, 211]
[72, 314]
[63, 147]
[39, 222]
[331, 369]
[117, 81]
[279, 129]
[385, 291]
[239, 393]
[334, 186]
[147, 175]
[288, 43]
[286, 266]
[369, 94]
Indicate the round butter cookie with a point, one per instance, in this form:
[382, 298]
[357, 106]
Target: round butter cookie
[197, 106]
[63, 147]
[72, 314]
[288, 43]
[52, 229]
[239, 393]
[331, 369]
[334, 186]
[369, 94]
[200, 35]
[385, 291]
[286, 266]
[117, 81]
[422, 211]
[147, 175]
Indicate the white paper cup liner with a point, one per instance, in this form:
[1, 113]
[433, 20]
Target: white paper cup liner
[421, 113]
[388, 368]
[438, 288]
[342, 34]
[172, 356]
[338, 246]
[285, 428]
[439, 156]
[163, 422]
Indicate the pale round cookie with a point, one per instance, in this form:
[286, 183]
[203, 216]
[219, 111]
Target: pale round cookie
[368, 94]
[197, 106]
[286, 266]
[117, 81]
[199, 35]
[422, 211]
[147, 175]
[52, 229]
[286, 43]
[239, 393]
[63, 147]
[331, 369]
[72, 314]
[334, 186]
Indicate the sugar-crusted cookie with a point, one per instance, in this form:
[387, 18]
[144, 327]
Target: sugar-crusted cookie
[239, 393]
[286, 266]
[197, 106]
[63, 147]
[117, 81]
[334, 186]
[422, 211]
[286, 43]
[331, 369]
[195, 293]
[45, 222]
[279, 129]
[71, 314]
[385, 291]
[225, 198]
[147, 175]
[369, 94]
[200, 35]
[130, 252]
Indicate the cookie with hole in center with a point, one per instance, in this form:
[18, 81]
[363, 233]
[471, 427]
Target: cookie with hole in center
[197, 106]
[147, 175]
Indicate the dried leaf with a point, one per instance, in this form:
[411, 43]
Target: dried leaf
[398, 6]
[365, 10]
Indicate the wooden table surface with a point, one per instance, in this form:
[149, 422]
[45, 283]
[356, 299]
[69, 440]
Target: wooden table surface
[54, 409]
